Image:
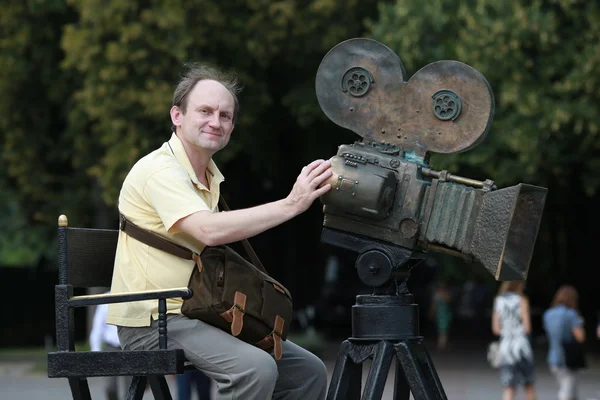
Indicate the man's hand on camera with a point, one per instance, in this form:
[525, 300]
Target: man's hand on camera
[308, 185]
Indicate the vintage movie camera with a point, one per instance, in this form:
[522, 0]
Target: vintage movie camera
[383, 189]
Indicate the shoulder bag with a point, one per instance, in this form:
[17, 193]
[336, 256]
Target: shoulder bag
[229, 292]
[573, 351]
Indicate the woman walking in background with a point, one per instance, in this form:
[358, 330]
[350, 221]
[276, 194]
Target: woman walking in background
[441, 313]
[512, 322]
[562, 322]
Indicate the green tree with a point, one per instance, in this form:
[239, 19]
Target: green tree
[130, 54]
[36, 171]
[542, 61]
[103, 73]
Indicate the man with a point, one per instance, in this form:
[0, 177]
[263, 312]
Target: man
[174, 192]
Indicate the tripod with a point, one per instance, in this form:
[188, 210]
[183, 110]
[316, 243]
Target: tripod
[384, 324]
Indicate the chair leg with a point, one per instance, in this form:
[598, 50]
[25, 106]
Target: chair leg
[160, 388]
[137, 388]
[80, 389]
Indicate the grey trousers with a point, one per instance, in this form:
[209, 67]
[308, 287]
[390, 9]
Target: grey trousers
[241, 371]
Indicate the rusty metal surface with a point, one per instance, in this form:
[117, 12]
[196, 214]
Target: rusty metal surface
[452, 214]
[383, 175]
[506, 230]
[392, 110]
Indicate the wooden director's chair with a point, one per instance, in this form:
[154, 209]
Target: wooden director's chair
[85, 260]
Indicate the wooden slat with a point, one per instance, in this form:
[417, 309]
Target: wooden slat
[115, 363]
[107, 298]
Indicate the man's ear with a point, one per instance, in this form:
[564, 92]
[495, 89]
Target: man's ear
[176, 115]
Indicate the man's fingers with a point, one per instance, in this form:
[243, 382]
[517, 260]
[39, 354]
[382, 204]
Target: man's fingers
[322, 190]
[310, 167]
[319, 179]
[318, 170]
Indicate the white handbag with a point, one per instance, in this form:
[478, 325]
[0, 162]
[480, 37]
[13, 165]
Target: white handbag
[493, 354]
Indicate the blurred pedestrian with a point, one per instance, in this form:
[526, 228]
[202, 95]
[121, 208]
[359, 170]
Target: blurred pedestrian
[598, 327]
[511, 321]
[481, 298]
[190, 379]
[103, 337]
[441, 313]
[563, 322]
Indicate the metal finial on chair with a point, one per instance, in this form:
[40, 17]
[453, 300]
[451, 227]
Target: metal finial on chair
[63, 221]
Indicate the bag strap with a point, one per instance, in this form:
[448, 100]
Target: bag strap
[158, 242]
[153, 240]
[245, 242]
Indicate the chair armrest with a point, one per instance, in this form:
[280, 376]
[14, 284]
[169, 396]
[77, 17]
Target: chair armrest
[109, 298]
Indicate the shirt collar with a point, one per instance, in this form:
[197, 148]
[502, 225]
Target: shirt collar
[215, 177]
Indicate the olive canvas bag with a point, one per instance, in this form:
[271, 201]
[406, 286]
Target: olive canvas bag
[229, 292]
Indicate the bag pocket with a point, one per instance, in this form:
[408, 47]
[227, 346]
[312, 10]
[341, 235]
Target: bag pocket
[241, 294]
[206, 291]
[276, 302]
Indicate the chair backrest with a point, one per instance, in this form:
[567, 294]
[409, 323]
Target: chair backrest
[90, 256]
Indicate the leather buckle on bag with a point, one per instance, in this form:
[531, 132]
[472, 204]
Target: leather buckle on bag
[196, 259]
[239, 308]
[239, 303]
[278, 288]
[277, 328]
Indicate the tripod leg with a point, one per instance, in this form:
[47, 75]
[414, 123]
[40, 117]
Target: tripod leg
[347, 376]
[419, 370]
[384, 352]
[401, 389]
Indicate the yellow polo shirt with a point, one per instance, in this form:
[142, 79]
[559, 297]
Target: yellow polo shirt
[160, 189]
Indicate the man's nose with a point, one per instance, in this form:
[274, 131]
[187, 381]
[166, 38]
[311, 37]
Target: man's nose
[215, 120]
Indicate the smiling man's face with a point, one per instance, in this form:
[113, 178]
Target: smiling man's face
[207, 122]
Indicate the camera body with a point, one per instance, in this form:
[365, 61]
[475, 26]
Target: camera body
[382, 192]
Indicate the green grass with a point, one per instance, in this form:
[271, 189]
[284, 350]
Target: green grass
[22, 353]
[37, 356]
[310, 340]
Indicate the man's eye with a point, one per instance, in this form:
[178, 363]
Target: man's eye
[226, 116]
[204, 111]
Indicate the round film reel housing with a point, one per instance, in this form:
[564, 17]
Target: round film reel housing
[446, 107]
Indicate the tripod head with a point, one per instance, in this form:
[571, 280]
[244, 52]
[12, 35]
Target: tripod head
[379, 265]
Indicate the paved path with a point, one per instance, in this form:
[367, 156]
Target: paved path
[464, 375]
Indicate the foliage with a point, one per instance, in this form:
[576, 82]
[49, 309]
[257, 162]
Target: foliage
[541, 59]
[36, 172]
[130, 55]
[87, 86]
[19, 246]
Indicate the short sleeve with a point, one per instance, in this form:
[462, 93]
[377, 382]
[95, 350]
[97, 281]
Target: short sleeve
[574, 319]
[173, 195]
